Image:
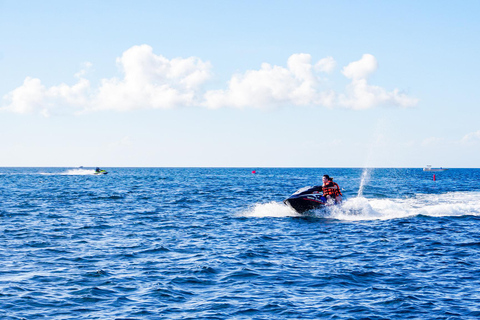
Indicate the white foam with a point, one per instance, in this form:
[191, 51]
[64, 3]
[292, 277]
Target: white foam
[271, 209]
[450, 204]
[360, 208]
[79, 172]
[435, 205]
[73, 172]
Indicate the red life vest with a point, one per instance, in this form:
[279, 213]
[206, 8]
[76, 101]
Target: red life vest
[331, 189]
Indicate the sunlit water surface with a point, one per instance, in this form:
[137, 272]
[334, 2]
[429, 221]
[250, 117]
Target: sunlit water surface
[216, 243]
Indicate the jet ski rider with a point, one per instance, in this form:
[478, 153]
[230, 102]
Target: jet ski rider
[331, 190]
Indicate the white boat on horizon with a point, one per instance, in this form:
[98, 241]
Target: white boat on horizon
[429, 168]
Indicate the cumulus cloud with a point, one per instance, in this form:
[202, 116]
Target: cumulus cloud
[471, 138]
[362, 68]
[298, 85]
[34, 97]
[360, 95]
[87, 67]
[271, 86]
[326, 65]
[151, 81]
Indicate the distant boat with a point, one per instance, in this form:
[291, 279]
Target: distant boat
[429, 168]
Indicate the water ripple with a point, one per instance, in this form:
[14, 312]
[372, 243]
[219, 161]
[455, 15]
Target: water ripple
[214, 243]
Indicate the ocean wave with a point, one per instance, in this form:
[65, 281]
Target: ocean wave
[179, 243]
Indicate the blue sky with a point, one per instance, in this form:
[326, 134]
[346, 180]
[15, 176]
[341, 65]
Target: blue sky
[239, 83]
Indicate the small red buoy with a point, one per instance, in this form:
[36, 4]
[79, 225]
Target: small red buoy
[433, 177]
[254, 171]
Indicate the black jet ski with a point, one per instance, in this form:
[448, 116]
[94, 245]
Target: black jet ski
[307, 198]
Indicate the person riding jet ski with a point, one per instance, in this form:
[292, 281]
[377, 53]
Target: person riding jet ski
[316, 197]
[100, 171]
[331, 190]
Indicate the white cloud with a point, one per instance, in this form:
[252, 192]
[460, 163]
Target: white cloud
[87, 66]
[298, 85]
[151, 81]
[271, 86]
[362, 68]
[33, 97]
[325, 65]
[360, 95]
[27, 98]
[471, 138]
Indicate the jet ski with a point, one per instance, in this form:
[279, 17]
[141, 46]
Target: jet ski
[306, 199]
[99, 171]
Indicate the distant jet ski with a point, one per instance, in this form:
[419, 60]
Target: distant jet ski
[99, 171]
[307, 198]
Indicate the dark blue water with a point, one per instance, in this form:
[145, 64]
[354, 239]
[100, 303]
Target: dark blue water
[215, 243]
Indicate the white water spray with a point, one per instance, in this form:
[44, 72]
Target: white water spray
[452, 204]
[72, 172]
[365, 178]
[271, 209]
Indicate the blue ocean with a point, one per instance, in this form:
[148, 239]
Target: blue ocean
[218, 243]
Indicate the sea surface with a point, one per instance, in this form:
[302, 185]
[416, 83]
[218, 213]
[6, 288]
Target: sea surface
[218, 243]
